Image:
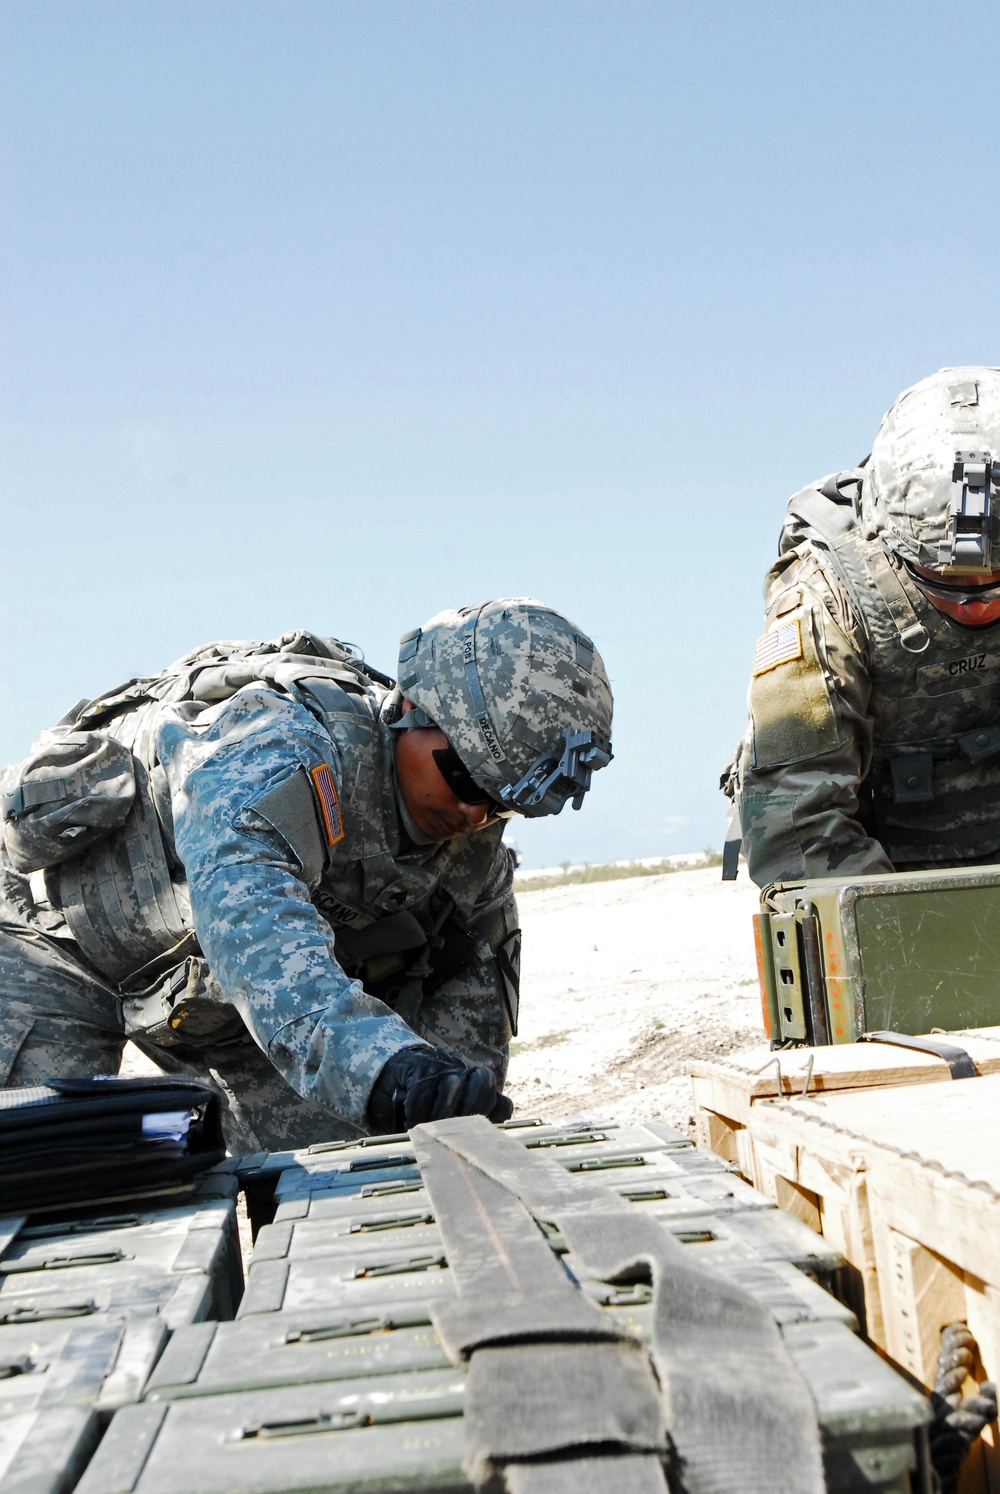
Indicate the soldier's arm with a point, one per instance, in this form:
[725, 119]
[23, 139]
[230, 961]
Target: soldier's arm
[808, 744]
[266, 943]
[474, 1011]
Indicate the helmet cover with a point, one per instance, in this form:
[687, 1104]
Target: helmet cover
[922, 477]
[521, 694]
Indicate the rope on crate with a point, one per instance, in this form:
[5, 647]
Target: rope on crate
[957, 1422]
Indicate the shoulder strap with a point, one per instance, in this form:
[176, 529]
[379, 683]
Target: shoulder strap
[913, 636]
[217, 670]
[220, 669]
[825, 511]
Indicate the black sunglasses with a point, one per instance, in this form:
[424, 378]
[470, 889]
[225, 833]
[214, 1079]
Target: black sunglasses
[461, 782]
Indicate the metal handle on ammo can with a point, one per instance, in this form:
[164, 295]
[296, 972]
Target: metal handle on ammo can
[766, 976]
[790, 972]
[781, 934]
[812, 969]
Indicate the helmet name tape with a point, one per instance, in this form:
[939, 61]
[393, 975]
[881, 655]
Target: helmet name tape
[966, 545]
[483, 721]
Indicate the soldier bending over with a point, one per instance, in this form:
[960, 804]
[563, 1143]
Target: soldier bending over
[874, 737]
[273, 866]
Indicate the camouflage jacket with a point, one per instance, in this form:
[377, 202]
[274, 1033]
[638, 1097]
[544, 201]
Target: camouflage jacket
[874, 733]
[266, 833]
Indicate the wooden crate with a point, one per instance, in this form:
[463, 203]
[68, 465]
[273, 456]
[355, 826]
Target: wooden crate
[906, 1180]
[724, 1089]
[815, 1174]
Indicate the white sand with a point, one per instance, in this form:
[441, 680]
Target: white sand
[622, 982]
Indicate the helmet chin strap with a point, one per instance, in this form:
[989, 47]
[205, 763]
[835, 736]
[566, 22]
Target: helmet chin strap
[411, 719]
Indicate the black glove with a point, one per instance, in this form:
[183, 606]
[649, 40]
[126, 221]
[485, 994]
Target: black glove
[424, 1084]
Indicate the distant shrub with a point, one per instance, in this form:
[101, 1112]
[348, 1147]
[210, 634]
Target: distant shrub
[614, 871]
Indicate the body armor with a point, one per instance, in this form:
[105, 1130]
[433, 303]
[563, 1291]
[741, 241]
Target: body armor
[399, 920]
[932, 793]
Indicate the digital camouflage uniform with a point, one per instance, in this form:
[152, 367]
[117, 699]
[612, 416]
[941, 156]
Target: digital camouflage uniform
[217, 862]
[874, 734]
[285, 848]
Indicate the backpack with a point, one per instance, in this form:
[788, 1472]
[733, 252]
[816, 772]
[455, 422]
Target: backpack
[79, 782]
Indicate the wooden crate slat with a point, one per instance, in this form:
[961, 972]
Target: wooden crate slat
[840, 1066]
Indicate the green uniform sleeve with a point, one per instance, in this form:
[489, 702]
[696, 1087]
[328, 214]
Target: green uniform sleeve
[808, 744]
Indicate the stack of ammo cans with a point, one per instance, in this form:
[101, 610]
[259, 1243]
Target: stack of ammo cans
[88, 1300]
[332, 1377]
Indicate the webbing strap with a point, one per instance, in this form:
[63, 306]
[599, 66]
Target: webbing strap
[912, 634]
[740, 1415]
[549, 1374]
[475, 689]
[32, 793]
[639, 1475]
[958, 1059]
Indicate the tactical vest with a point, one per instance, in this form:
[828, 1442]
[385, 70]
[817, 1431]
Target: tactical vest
[932, 794]
[125, 898]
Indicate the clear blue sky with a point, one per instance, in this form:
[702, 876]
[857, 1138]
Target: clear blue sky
[334, 312]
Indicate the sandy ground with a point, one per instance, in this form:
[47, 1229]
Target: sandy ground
[622, 983]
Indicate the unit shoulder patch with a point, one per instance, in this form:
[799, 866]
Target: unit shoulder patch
[329, 803]
[780, 646]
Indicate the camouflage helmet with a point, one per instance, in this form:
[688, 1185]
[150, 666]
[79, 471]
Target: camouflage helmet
[930, 485]
[521, 694]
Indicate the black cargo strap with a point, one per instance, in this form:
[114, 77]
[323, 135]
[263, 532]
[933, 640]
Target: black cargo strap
[731, 859]
[957, 1059]
[739, 1416]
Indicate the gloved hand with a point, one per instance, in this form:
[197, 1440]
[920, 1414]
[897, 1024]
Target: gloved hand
[424, 1084]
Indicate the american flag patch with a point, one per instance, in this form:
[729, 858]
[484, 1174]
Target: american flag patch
[329, 804]
[780, 646]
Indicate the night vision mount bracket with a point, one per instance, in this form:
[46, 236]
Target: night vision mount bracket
[972, 525]
[551, 780]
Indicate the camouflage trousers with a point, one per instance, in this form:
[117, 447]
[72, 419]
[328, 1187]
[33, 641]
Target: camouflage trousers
[59, 1019]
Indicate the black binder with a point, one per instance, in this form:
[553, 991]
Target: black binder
[77, 1141]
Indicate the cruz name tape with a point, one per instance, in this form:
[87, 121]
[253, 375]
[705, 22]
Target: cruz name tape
[780, 646]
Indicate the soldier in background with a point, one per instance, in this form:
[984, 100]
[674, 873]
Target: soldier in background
[273, 866]
[874, 736]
